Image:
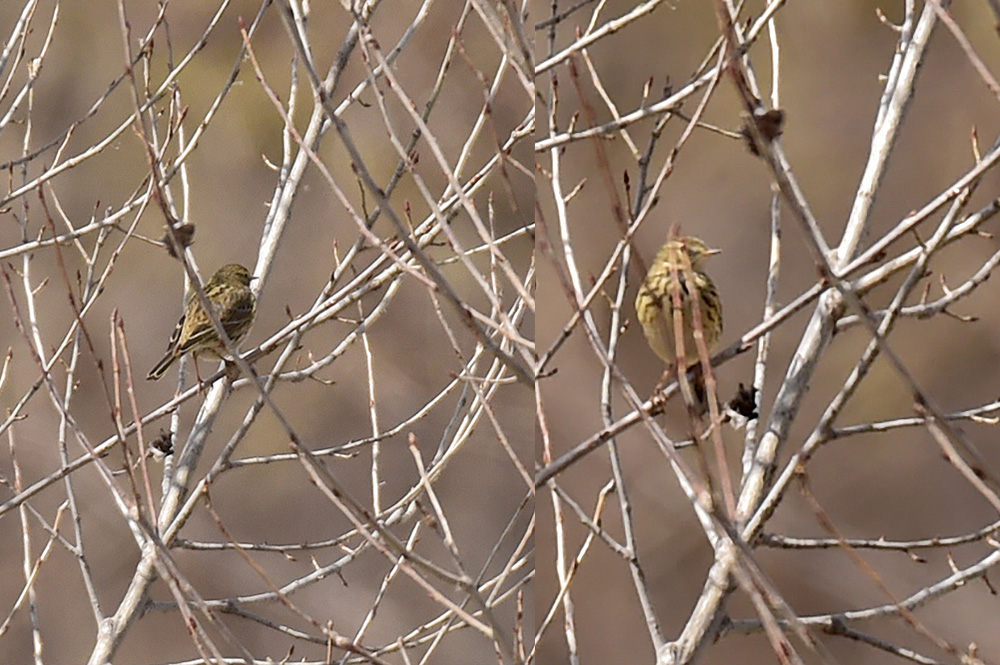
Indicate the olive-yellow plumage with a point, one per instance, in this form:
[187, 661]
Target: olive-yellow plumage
[679, 262]
[235, 304]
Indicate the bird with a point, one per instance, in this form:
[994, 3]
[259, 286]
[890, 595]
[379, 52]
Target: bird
[235, 306]
[678, 264]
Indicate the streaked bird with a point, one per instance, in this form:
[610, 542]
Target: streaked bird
[235, 305]
[654, 304]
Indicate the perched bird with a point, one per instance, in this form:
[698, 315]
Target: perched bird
[654, 304]
[235, 305]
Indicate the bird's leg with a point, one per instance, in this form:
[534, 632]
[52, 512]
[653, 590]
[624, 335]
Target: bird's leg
[232, 370]
[201, 384]
[663, 380]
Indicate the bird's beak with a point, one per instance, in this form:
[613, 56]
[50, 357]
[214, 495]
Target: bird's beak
[713, 252]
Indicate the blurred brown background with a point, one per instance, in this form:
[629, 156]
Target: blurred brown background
[898, 485]
[231, 185]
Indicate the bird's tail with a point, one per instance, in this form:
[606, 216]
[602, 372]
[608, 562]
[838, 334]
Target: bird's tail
[161, 366]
